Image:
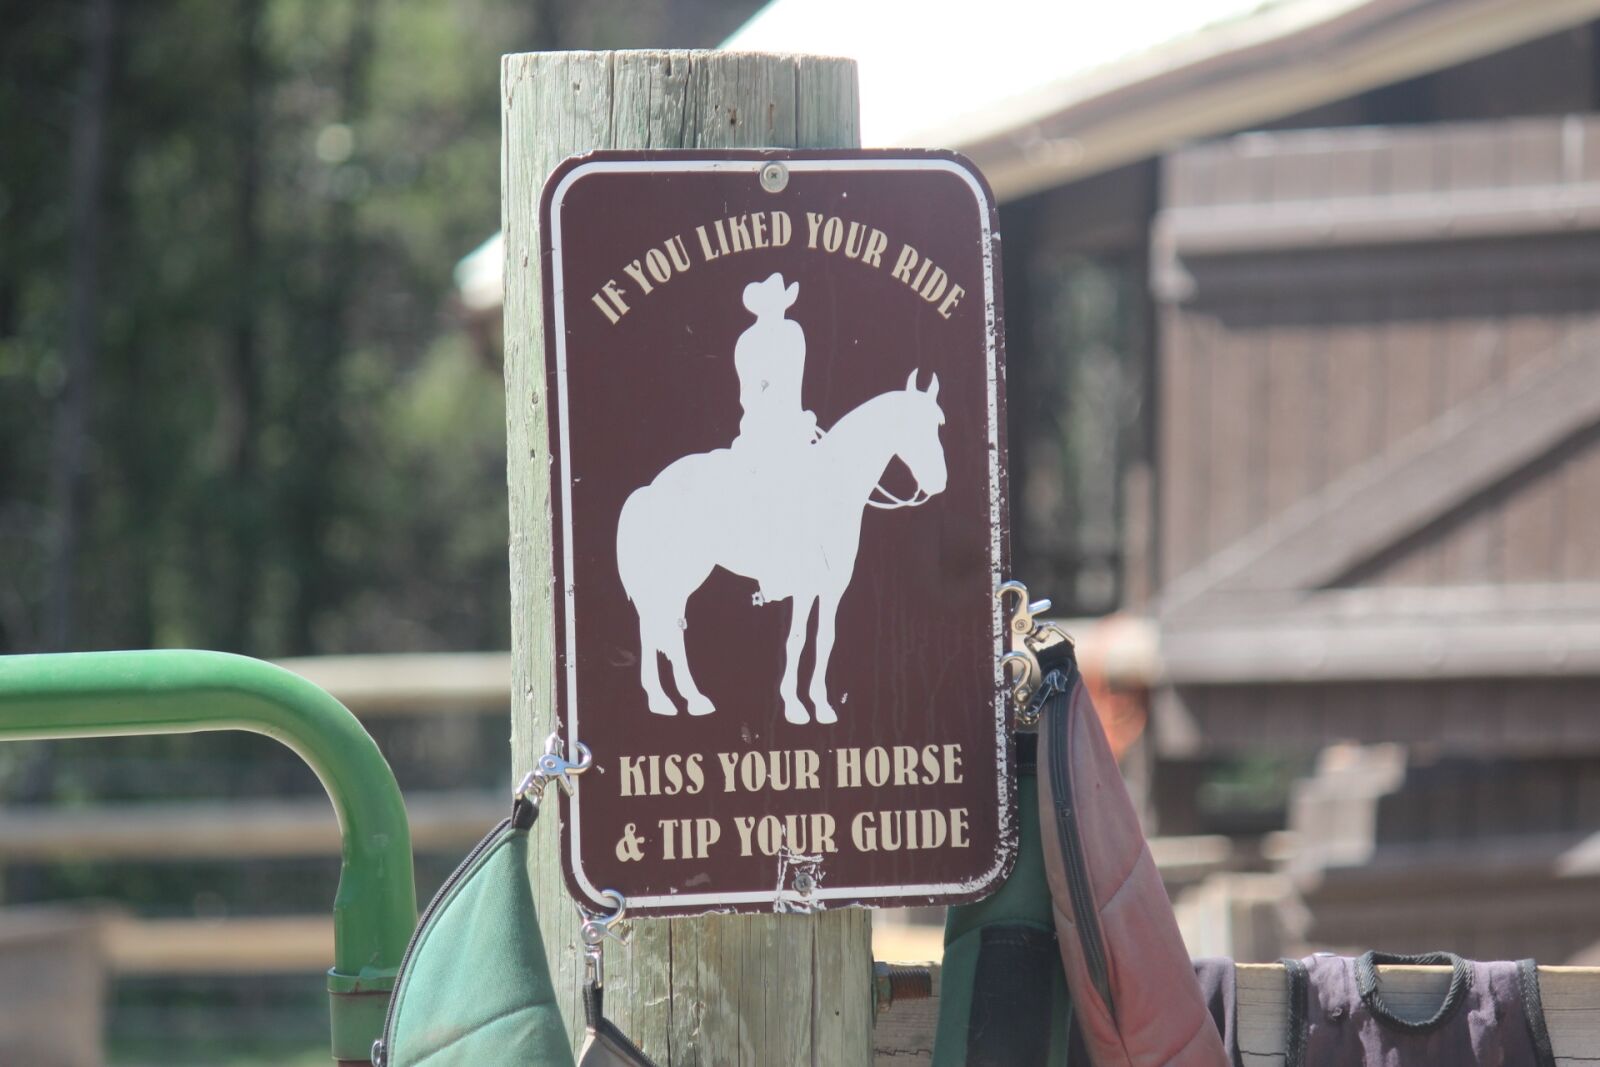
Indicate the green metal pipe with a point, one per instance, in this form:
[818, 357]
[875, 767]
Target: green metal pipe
[104, 694]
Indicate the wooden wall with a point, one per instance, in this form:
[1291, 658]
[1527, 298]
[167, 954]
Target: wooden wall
[1327, 296]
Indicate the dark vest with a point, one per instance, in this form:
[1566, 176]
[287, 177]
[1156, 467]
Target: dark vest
[1491, 1015]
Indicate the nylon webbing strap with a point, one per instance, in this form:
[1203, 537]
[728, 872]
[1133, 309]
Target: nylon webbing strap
[1011, 991]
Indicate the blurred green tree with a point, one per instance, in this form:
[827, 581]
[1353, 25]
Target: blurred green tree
[239, 411]
[238, 408]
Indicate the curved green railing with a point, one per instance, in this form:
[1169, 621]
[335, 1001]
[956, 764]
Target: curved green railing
[102, 694]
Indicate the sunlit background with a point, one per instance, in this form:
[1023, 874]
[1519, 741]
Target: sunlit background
[1301, 303]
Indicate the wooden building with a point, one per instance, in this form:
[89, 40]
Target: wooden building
[1303, 313]
[1303, 328]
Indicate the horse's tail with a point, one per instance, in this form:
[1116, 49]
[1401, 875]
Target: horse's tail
[631, 532]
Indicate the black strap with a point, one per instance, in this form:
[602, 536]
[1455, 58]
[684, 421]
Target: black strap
[1372, 996]
[1012, 984]
[607, 1044]
[524, 813]
[1027, 752]
[1533, 1008]
[1061, 656]
[1299, 1009]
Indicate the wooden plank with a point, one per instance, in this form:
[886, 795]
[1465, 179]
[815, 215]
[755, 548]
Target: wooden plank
[1536, 322]
[1532, 527]
[681, 977]
[1233, 438]
[1540, 265]
[1530, 519]
[53, 985]
[237, 830]
[1464, 452]
[1580, 476]
[1352, 158]
[1469, 549]
[1471, 156]
[1354, 372]
[1443, 646]
[1406, 218]
[1408, 399]
[904, 1032]
[1512, 718]
[1412, 167]
[1535, 151]
[1183, 381]
[1298, 172]
[1293, 395]
[296, 944]
[413, 683]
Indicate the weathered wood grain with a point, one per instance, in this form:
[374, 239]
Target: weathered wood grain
[755, 990]
[209, 830]
[1390, 282]
[1469, 449]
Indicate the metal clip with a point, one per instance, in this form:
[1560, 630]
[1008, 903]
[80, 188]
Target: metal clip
[595, 930]
[1024, 680]
[553, 767]
[1029, 636]
[1029, 716]
[1022, 623]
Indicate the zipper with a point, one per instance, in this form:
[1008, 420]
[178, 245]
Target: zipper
[380, 1047]
[1071, 842]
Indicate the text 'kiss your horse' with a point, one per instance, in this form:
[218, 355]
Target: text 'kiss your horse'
[782, 505]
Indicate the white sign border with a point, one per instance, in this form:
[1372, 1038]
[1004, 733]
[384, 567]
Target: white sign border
[752, 167]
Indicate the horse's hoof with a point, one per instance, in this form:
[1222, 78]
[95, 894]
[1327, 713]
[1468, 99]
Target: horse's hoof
[663, 707]
[796, 713]
[825, 714]
[701, 705]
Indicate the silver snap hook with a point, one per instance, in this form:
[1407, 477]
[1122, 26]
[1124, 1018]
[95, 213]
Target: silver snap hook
[596, 929]
[552, 766]
[1025, 679]
[1030, 635]
[1022, 623]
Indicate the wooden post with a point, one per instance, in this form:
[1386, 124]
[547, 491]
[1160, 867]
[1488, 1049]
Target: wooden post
[760, 990]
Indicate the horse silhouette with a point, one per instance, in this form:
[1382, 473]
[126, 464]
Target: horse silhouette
[792, 522]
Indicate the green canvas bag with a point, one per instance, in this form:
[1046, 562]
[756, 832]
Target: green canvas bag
[1003, 997]
[474, 986]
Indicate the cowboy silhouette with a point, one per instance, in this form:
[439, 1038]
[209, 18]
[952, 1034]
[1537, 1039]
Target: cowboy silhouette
[770, 357]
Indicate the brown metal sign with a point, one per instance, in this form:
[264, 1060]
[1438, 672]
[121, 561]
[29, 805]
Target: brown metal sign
[779, 520]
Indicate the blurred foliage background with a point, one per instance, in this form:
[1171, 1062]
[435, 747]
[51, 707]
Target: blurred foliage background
[241, 409]
[239, 412]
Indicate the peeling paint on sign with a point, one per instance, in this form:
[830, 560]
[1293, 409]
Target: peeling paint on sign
[779, 519]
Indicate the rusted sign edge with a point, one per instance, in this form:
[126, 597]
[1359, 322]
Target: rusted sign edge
[565, 175]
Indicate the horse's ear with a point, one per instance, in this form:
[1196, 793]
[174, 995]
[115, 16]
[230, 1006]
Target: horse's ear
[911, 382]
[933, 388]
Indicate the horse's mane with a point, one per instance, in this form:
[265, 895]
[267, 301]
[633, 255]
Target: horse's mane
[847, 422]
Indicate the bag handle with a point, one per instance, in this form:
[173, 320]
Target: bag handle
[605, 1045]
[1372, 996]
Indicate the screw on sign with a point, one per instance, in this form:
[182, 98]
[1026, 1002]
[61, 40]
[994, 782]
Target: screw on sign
[779, 520]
